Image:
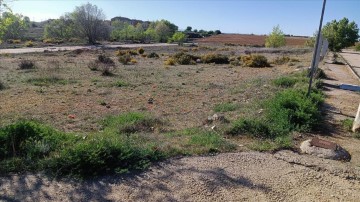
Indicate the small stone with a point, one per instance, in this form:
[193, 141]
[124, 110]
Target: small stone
[151, 101]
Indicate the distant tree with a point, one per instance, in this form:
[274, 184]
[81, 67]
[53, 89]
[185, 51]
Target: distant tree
[63, 28]
[163, 32]
[178, 37]
[188, 29]
[195, 30]
[12, 26]
[341, 34]
[276, 38]
[210, 32]
[217, 32]
[89, 20]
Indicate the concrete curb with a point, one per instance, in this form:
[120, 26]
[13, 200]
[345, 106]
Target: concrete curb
[350, 67]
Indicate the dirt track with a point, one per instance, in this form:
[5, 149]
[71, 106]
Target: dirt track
[226, 177]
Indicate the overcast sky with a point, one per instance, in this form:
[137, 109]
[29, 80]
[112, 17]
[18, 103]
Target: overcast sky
[297, 17]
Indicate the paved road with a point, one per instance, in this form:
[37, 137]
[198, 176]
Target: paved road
[353, 59]
[63, 48]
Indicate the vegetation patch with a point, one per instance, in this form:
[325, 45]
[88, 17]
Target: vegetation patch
[152, 55]
[357, 47]
[226, 107]
[254, 61]
[27, 64]
[48, 81]
[129, 141]
[215, 58]
[289, 110]
[2, 85]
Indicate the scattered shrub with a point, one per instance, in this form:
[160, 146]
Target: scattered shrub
[170, 61]
[48, 40]
[29, 44]
[2, 85]
[133, 61]
[124, 59]
[27, 64]
[126, 52]
[254, 61]
[215, 58]
[152, 55]
[281, 60]
[141, 51]
[183, 58]
[14, 41]
[105, 60]
[93, 66]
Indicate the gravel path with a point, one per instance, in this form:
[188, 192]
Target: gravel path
[248, 176]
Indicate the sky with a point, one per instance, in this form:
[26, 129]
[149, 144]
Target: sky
[296, 17]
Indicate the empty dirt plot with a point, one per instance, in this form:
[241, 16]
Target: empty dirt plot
[61, 84]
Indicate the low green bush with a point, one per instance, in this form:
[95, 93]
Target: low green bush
[289, 110]
[285, 81]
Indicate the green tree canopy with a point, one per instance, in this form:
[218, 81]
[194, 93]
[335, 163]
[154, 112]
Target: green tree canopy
[178, 37]
[341, 34]
[276, 38]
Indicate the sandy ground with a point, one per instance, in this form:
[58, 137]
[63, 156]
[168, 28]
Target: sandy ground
[244, 176]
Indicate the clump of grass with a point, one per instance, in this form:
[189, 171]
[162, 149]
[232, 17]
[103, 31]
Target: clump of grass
[27, 64]
[25, 144]
[47, 81]
[170, 61]
[121, 84]
[289, 110]
[93, 66]
[226, 107]
[215, 58]
[106, 64]
[347, 124]
[133, 61]
[153, 55]
[254, 61]
[132, 123]
[285, 81]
